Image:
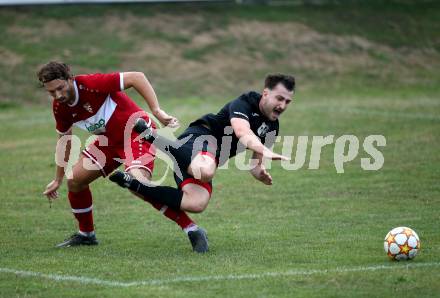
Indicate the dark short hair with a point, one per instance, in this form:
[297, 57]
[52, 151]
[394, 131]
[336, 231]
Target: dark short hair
[272, 80]
[53, 71]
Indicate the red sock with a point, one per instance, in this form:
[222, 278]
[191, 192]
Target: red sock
[81, 203]
[179, 217]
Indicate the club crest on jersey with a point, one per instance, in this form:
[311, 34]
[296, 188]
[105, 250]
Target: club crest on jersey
[88, 107]
[262, 130]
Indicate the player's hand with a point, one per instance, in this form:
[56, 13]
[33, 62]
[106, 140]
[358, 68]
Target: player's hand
[262, 175]
[274, 156]
[51, 190]
[166, 119]
[265, 177]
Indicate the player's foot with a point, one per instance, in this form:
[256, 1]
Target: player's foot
[78, 239]
[144, 129]
[199, 240]
[123, 179]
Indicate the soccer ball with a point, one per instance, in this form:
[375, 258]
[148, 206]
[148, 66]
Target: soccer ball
[401, 243]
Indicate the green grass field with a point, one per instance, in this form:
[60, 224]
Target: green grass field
[314, 233]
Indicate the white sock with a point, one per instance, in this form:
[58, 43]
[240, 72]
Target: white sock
[87, 234]
[191, 228]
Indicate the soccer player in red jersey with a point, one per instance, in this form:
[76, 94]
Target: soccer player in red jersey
[96, 103]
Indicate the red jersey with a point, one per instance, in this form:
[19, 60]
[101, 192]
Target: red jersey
[100, 106]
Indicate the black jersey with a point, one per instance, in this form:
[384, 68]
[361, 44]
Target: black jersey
[246, 106]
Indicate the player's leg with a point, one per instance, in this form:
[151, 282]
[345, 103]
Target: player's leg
[178, 216]
[139, 158]
[197, 195]
[95, 161]
[196, 235]
[193, 200]
[142, 168]
[202, 165]
[194, 193]
[80, 199]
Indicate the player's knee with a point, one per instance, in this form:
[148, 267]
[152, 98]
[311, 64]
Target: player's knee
[202, 168]
[207, 174]
[75, 185]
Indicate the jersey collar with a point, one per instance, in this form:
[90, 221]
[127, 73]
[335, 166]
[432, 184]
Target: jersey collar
[76, 95]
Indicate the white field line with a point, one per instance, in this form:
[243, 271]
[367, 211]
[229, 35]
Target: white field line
[232, 277]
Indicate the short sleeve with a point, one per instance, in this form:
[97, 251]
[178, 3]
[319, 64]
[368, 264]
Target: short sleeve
[63, 121]
[103, 83]
[240, 108]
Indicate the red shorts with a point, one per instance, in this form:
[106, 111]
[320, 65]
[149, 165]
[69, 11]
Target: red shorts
[133, 154]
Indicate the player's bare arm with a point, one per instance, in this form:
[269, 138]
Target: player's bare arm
[51, 191]
[140, 83]
[247, 137]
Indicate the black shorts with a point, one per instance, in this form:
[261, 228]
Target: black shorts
[199, 140]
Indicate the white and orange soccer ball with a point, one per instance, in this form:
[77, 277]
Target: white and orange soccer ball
[402, 243]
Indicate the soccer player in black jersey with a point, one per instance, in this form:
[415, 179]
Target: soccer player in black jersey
[248, 122]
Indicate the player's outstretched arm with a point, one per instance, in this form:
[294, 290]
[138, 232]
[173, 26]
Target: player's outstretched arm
[140, 83]
[51, 191]
[247, 137]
